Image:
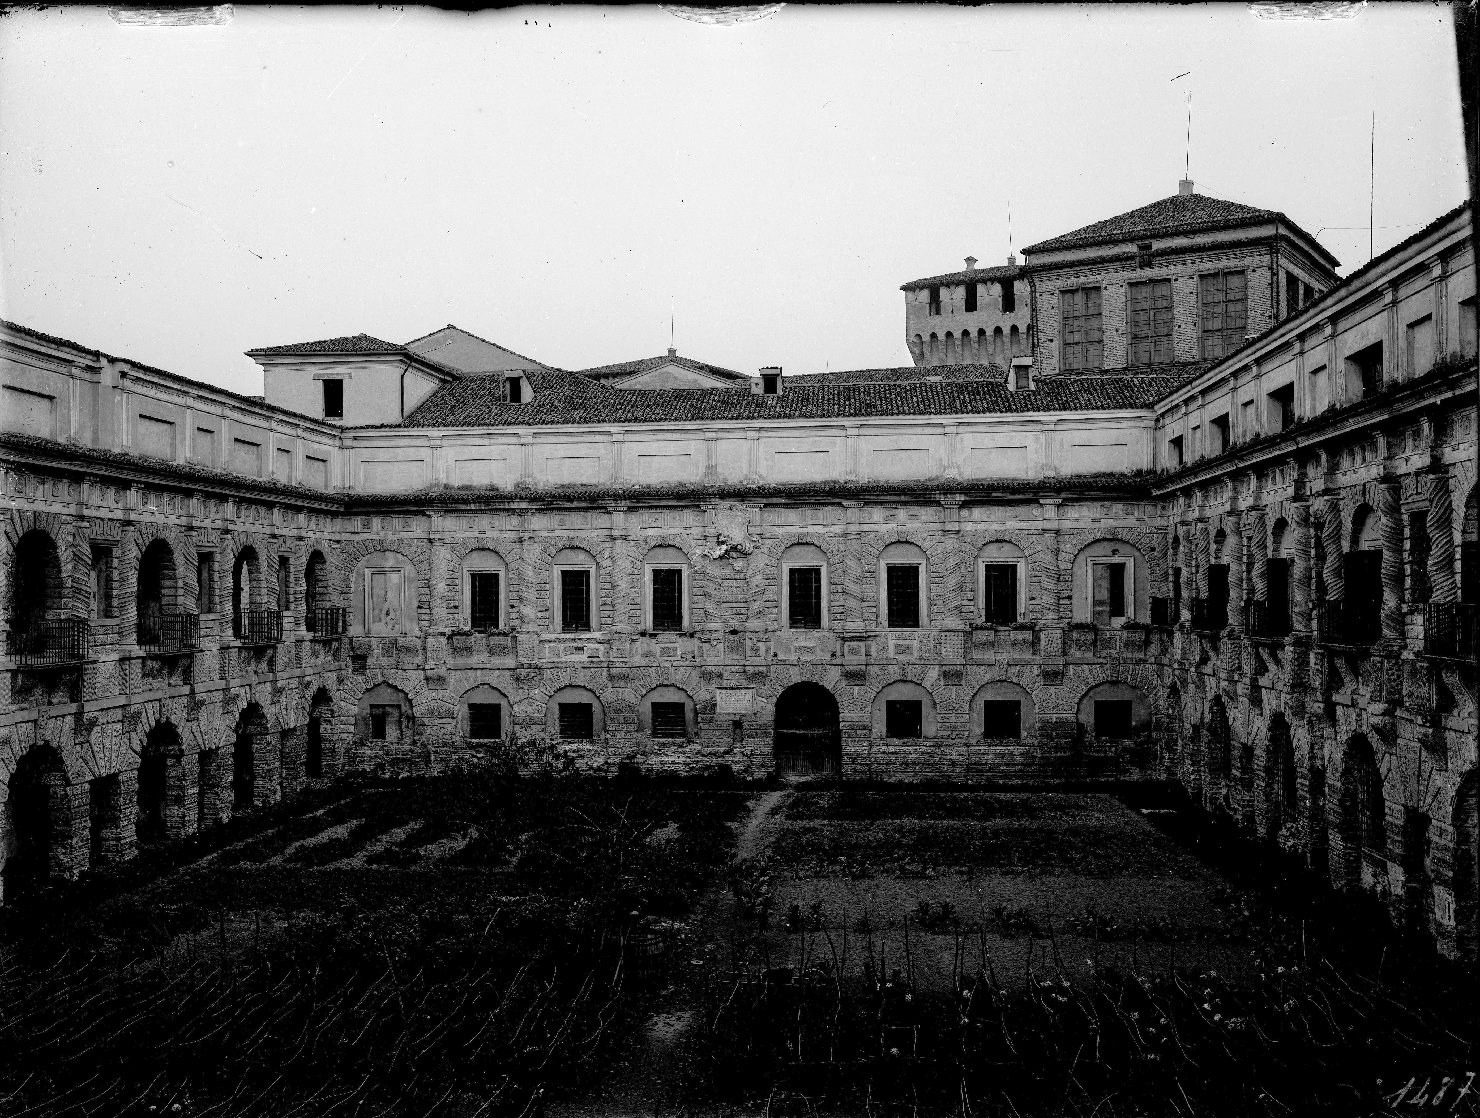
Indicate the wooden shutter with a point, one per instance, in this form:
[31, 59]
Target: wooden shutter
[1094, 333]
[384, 601]
[1073, 308]
[1100, 592]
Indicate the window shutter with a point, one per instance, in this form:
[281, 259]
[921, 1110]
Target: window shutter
[1100, 592]
[1117, 589]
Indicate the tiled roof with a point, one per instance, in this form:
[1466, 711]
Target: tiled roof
[411, 345]
[352, 343]
[898, 375]
[646, 364]
[565, 398]
[971, 275]
[1179, 214]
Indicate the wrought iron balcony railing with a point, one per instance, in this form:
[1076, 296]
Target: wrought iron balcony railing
[168, 632]
[1450, 627]
[324, 622]
[1209, 615]
[1342, 622]
[258, 626]
[1262, 621]
[48, 642]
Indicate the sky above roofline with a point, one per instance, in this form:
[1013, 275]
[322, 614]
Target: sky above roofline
[560, 180]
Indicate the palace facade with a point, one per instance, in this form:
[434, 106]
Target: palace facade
[1205, 513]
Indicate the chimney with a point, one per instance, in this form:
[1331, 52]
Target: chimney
[1012, 260]
[971, 263]
[1184, 186]
[672, 352]
[771, 380]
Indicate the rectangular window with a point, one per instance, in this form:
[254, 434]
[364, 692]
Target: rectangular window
[1467, 335]
[1107, 590]
[1009, 296]
[903, 718]
[1364, 371]
[1418, 555]
[385, 723]
[1084, 334]
[804, 597]
[577, 721]
[902, 589]
[333, 399]
[1292, 293]
[970, 297]
[205, 581]
[486, 721]
[514, 390]
[575, 601]
[1223, 304]
[1248, 423]
[1218, 434]
[483, 603]
[282, 582]
[1419, 350]
[999, 593]
[1176, 453]
[1144, 256]
[1217, 595]
[669, 721]
[1002, 718]
[667, 599]
[1112, 719]
[102, 571]
[1279, 596]
[1150, 323]
[934, 294]
[1022, 378]
[384, 601]
[1282, 408]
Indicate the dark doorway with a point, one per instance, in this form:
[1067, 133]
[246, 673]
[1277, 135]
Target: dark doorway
[39, 819]
[160, 748]
[807, 739]
[251, 725]
[313, 760]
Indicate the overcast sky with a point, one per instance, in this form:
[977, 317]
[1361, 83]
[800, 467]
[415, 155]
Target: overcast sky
[552, 179]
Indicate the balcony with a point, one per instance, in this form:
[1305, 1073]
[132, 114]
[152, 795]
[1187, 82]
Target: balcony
[48, 642]
[1264, 623]
[168, 632]
[326, 622]
[1209, 615]
[258, 626]
[1341, 622]
[1449, 629]
[1164, 612]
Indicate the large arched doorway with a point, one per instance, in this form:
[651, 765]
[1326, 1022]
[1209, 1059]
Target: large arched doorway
[159, 760]
[319, 714]
[807, 739]
[1280, 794]
[249, 727]
[41, 821]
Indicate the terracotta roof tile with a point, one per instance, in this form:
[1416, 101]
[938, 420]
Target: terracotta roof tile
[973, 275]
[646, 364]
[350, 343]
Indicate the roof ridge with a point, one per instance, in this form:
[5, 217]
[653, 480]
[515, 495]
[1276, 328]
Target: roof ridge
[479, 337]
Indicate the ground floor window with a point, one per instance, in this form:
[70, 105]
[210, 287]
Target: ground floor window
[1112, 718]
[669, 720]
[1002, 718]
[904, 718]
[485, 721]
[385, 723]
[577, 721]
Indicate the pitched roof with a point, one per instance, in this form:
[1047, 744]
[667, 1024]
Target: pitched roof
[349, 343]
[1179, 214]
[647, 364]
[465, 362]
[970, 275]
[566, 398]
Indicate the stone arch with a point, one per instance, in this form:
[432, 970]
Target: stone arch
[1466, 865]
[1281, 797]
[157, 591]
[1366, 530]
[39, 810]
[1113, 710]
[385, 596]
[1363, 808]
[667, 693]
[38, 588]
[1015, 341]
[316, 746]
[983, 347]
[160, 790]
[1220, 740]
[318, 592]
[765, 573]
[941, 575]
[1001, 601]
[806, 730]
[906, 690]
[988, 722]
[559, 723]
[999, 348]
[966, 354]
[485, 695]
[1093, 594]
[953, 354]
[247, 780]
[934, 358]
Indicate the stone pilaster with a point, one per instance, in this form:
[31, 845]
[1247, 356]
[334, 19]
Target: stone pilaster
[1391, 510]
[1442, 587]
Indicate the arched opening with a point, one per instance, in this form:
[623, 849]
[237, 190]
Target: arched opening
[917, 349]
[966, 354]
[1015, 341]
[156, 595]
[1112, 712]
[36, 588]
[1359, 618]
[1220, 740]
[1111, 583]
[320, 616]
[40, 820]
[1280, 797]
[999, 349]
[934, 358]
[246, 590]
[383, 720]
[250, 727]
[1003, 713]
[807, 738]
[487, 714]
[1276, 622]
[903, 710]
[953, 355]
[1363, 809]
[1466, 866]
[320, 711]
[158, 762]
[1174, 726]
[983, 347]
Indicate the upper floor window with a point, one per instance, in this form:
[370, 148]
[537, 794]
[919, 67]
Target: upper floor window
[514, 390]
[1223, 303]
[1108, 581]
[1084, 333]
[1282, 407]
[667, 568]
[575, 580]
[483, 589]
[333, 398]
[1218, 434]
[904, 586]
[205, 581]
[1002, 581]
[1143, 255]
[1009, 296]
[1467, 336]
[804, 584]
[1150, 323]
[1419, 338]
[970, 297]
[103, 580]
[934, 295]
[1174, 450]
[1364, 371]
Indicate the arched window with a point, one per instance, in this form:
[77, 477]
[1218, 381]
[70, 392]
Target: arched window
[573, 591]
[983, 347]
[1220, 740]
[484, 591]
[1114, 711]
[1001, 583]
[251, 740]
[40, 816]
[1015, 341]
[384, 716]
[156, 595]
[1364, 808]
[248, 593]
[486, 714]
[903, 587]
[320, 719]
[999, 350]
[575, 714]
[383, 595]
[320, 615]
[966, 356]
[1361, 612]
[666, 590]
[917, 349]
[1003, 712]
[36, 588]
[1278, 580]
[934, 358]
[160, 790]
[903, 710]
[667, 712]
[1111, 583]
[804, 589]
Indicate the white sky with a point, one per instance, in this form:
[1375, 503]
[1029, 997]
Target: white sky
[552, 178]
